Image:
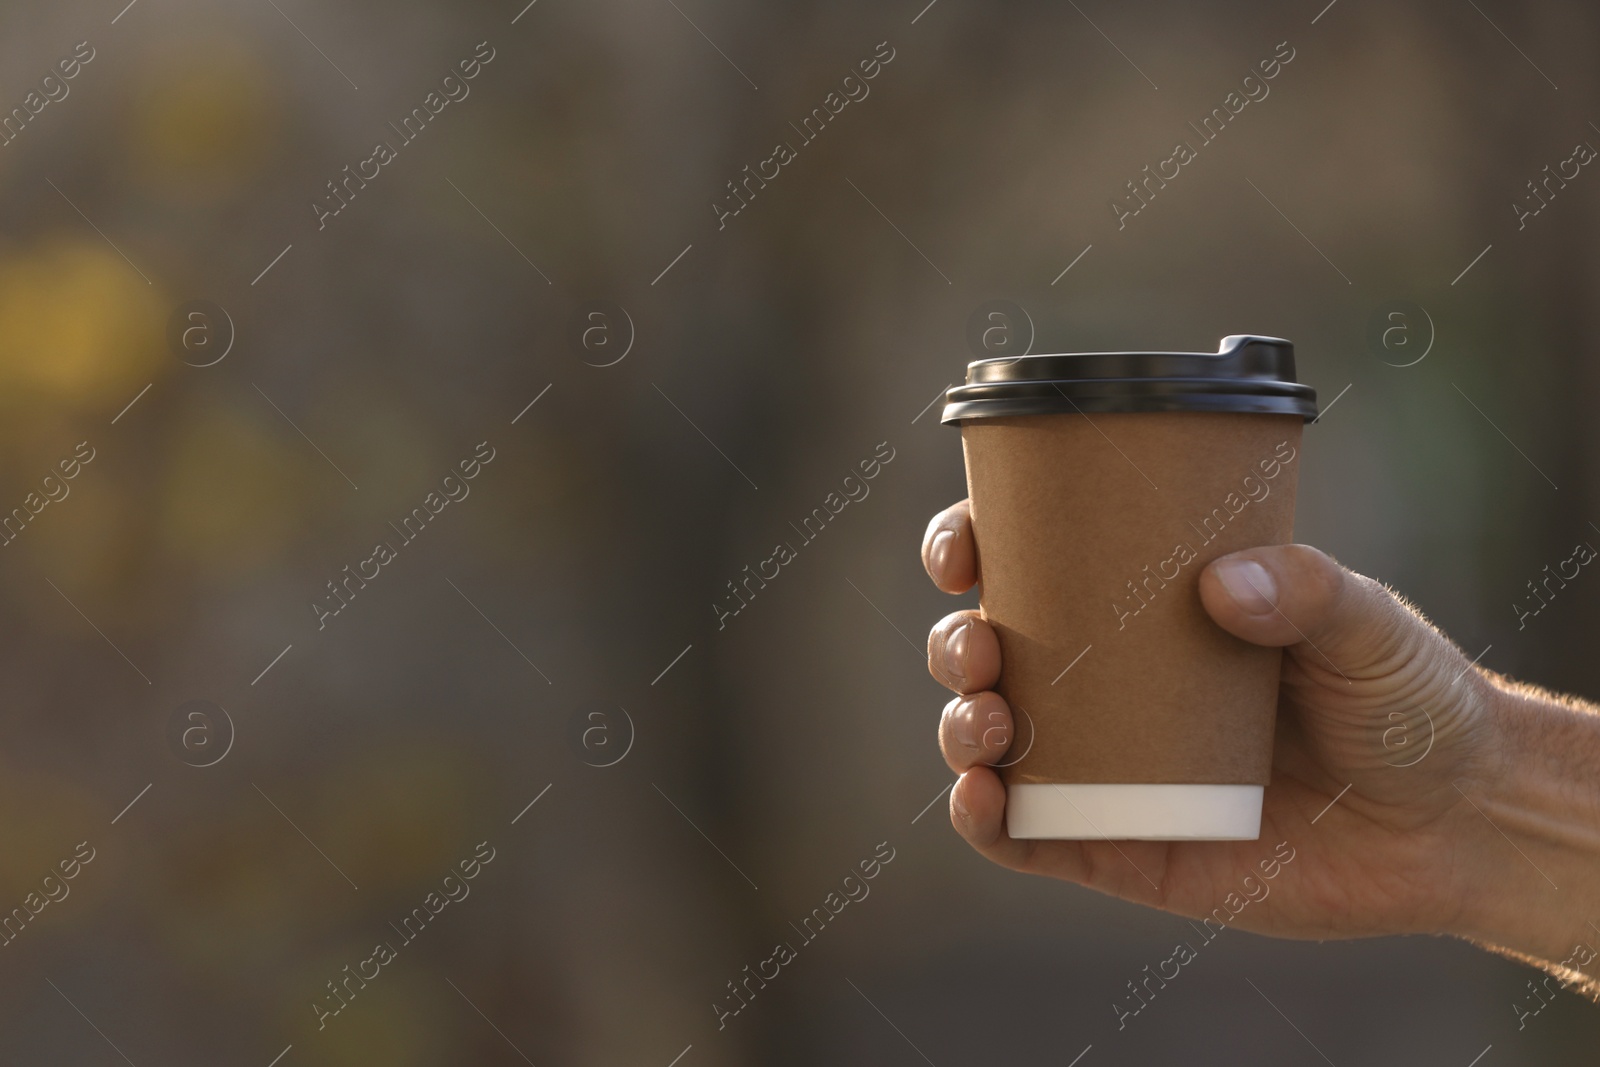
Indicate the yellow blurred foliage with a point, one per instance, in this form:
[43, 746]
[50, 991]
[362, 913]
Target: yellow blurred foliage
[223, 898]
[89, 539]
[232, 495]
[77, 324]
[204, 118]
[47, 815]
[407, 1017]
[400, 814]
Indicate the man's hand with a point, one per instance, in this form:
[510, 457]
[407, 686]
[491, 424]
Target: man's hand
[1388, 740]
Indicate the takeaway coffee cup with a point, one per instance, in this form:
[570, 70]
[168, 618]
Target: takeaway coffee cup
[1102, 484]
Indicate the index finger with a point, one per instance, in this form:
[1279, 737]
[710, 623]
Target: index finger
[948, 551]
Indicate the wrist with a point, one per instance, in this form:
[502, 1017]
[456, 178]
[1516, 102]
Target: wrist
[1534, 850]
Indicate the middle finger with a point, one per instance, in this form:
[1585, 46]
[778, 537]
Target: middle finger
[963, 653]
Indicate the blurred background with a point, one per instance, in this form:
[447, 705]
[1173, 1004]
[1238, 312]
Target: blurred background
[540, 675]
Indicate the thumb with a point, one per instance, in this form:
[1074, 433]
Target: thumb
[1342, 622]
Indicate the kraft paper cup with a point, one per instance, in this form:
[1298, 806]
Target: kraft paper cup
[1101, 486]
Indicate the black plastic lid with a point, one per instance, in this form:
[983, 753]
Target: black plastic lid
[1246, 374]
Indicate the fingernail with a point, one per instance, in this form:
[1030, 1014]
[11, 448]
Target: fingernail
[939, 551]
[957, 806]
[955, 652]
[962, 726]
[1249, 584]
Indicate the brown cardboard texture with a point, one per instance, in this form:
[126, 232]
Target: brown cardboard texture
[1092, 535]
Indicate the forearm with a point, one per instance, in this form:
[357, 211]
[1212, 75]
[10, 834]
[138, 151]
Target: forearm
[1538, 843]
